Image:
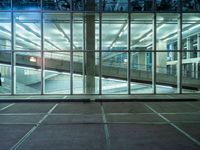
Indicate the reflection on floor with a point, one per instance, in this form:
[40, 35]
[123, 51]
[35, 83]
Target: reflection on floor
[100, 126]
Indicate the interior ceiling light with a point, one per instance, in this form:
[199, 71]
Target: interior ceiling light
[33, 59]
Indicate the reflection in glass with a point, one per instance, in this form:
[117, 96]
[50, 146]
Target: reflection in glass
[26, 4]
[141, 72]
[167, 27]
[5, 4]
[191, 5]
[62, 5]
[5, 31]
[114, 73]
[57, 31]
[141, 32]
[114, 32]
[166, 72]
[57, 72]
[167, 5]
[5, 73]
[115, 5]
[27, 31]
[141, 5]
[28, 72]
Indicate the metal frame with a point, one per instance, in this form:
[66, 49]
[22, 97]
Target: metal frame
[128, 51]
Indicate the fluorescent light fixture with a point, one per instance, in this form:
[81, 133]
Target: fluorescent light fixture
[125, 27]
[160, 26]
[121, 33]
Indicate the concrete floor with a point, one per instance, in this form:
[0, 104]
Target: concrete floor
[100, 125]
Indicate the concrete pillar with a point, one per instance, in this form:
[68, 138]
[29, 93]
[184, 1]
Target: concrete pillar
[198, 45]
[161, 60]
[189, 47]
[142, 62]
[197, 71]
[193, 70]
[90, 49]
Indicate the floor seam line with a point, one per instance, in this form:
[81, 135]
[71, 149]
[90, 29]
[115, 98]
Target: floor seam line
[21, 141]
[175, 126]
[108, 143]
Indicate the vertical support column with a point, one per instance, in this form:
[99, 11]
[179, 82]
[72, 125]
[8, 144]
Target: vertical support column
[193, 70]
[154, 55]
[100, 52]
[13, 58]
[42, 56]
[179, 56]
[189, 47]
[197, 70]
[84, 57]
[129, 54]
[71, 53]
[90, 48]
[198, 45]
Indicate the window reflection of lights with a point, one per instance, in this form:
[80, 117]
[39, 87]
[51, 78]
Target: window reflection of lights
[4, 32]
[33, 59]
[194, 27]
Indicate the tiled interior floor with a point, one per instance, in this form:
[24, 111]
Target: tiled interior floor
[100, 126]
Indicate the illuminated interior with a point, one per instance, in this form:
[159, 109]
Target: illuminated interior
[104, 47]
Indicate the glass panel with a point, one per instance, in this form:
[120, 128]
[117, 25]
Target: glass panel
[141, 72]
[191, 74]
[115, 5]
[141, 5]
[62, 5]
[114, 32]
[27, 31]
[190, 5]
[191, 53]
[78, 32]
[78, 78]
[167, 5]
[57, 72]
[57, 31]
[5, 4]
[114, 73]
[5, 73]
[26, 4]
[86, 78]
[141, 31]
[190, 32]
[5, 31]
[28, 72]
[166, 72]
[167, 28]
[91, 32]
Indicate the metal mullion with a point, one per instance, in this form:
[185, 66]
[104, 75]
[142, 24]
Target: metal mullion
[154, 55]
[179, 65]
[100, 53]
[129, 54]
[84, 57]
[71, 53]
[42, 55]
[13, 59]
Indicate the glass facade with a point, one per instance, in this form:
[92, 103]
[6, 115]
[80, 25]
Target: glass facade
[99, 47]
